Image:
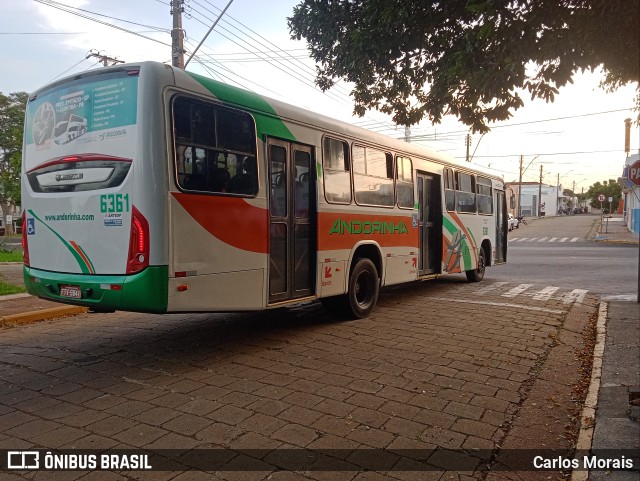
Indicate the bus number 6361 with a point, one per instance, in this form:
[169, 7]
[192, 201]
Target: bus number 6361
[110, 203]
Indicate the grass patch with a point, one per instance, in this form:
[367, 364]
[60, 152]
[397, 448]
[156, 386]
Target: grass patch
[6, 289]
[11, 256]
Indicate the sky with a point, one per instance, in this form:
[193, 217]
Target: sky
[578, 139]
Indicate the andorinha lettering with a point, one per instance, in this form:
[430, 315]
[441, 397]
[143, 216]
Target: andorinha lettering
[367, 227]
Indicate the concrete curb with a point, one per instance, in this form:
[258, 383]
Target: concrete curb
[588, 417]
[614, 241]
[42, 315]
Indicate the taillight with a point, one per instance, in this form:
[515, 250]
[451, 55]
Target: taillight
[138, 243]
[25, 245]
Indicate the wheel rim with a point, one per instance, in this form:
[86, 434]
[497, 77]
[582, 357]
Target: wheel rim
[481, 264]
[363, 289]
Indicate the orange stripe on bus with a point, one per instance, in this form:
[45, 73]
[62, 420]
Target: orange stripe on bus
[230, 219]
[84, 257]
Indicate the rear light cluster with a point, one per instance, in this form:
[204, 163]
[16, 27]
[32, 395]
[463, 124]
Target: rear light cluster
[138, 259]
[25, 245]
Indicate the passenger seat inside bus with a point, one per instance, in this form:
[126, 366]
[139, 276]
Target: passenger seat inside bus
[220, 180]
[244, 182]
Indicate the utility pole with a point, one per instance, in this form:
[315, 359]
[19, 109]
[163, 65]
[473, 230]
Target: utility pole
[558, 195]
[540, 192]
[520, 188]
[407, 134]
[103, 58]
[177, 34]
[627, 136]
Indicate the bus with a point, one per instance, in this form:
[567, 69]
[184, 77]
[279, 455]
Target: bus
[178, 193]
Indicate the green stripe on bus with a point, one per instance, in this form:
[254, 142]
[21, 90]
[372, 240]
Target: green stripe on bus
[146, 291]
[270, 123]
[466, 255]
[450, 226]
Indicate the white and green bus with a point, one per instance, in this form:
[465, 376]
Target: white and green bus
[148, 188]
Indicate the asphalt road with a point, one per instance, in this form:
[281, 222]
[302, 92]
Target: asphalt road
[579, 263]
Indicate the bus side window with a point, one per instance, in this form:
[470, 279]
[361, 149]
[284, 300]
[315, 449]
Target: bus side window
[337, 176]
[449, 190]
[212, 144]
[404, 182]
[485, 195]
[465, 193]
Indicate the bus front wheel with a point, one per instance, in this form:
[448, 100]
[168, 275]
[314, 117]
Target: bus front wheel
[477, 275]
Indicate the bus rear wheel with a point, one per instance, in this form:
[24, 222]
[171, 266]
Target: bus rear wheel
[477, 275]
[361, 298]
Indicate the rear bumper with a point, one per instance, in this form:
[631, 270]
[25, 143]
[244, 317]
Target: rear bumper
[142, 292]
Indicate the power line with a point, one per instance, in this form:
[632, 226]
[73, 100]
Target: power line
[550, 154]
[44, 33]
[55, 4]
[61, 7]
[425, 137]
[70, 68]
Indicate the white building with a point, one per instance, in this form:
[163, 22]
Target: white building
[535, 199]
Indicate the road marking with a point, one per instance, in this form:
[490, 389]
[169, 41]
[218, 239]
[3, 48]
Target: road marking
[533, 239]
[499, 304]
[564, 239]
[546, 293]
[516, 291]
[490, 288]
[542, 239]
[621, 297]
[553, 239]
[576, 295]
[575, 239]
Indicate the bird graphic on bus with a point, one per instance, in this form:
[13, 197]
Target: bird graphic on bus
[452, 252]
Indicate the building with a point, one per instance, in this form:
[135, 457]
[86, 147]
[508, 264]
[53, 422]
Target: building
[534, 199]
[631, 196]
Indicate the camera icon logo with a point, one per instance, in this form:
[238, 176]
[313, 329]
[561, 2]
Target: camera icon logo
[23, 460]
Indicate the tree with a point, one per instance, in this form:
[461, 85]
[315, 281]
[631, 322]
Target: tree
[609, 188]
[417, 59]
[12, 109]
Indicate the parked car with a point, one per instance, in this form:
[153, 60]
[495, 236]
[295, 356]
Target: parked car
[512, 222]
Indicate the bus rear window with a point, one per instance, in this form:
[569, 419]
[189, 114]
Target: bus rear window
[78, 173]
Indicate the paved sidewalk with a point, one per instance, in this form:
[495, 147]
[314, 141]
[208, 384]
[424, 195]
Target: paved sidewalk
[613, 229]
[617, 420]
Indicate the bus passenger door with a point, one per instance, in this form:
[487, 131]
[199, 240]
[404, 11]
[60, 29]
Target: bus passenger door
[292, 208]
[430, 219]
[501, 227]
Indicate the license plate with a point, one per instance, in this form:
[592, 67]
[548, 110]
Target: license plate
[70, 291]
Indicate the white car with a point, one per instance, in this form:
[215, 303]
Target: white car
[512, 222]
